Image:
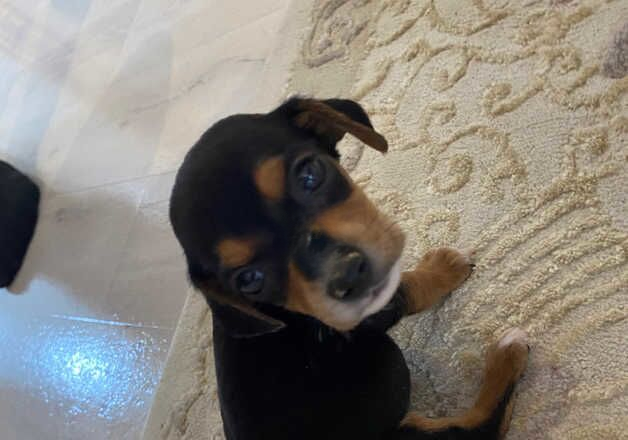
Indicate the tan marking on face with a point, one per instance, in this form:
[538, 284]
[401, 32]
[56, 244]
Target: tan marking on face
[358, 222]
[355, 221]
[310, 298]
[270, 178]
[235, 252]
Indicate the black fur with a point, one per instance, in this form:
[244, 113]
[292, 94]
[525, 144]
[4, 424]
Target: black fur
[309, 382]
[19, 208]
[301, 379]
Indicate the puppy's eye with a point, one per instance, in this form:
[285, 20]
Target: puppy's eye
[311, 174]
[249, 281]
[315, 242]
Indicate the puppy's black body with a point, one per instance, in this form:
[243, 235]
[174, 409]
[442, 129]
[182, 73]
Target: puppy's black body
[302, 275]
[310, 382]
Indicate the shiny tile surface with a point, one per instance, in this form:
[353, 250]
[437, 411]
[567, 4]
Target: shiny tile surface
[99, 101]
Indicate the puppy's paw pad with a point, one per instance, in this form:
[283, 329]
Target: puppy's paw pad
[469, 255]
[454, 264]
[448, 257]
[509, 354]
[513, 336]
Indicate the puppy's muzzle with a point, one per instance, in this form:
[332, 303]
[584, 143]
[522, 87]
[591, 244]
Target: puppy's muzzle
[351, 274]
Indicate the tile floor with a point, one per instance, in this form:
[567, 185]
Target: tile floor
[99, 101]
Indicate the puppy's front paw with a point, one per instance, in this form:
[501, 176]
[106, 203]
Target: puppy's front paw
[453, 266]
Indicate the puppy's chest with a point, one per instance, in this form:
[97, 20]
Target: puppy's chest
[298, 363]
[321, 385]
[302, 356]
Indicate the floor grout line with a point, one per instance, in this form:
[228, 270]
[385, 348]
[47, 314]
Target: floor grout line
[108, 322]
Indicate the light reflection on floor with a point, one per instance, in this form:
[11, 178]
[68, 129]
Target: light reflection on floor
[99, 101]
[75, 370]
[94, 374]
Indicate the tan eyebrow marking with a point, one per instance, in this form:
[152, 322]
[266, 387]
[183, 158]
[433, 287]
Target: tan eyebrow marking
[234, 252]
[270, 178]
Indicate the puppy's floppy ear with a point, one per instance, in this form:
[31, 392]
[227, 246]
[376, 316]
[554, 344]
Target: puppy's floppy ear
[330, 119]
[244, 321]
[238, 316]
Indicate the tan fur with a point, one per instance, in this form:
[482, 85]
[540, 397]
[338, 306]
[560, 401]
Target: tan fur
[358, 222]
[308, 298]
[505, 423]
[439, 272]
[235, 252]
[323, 119]
[504, 367]
[270, 178]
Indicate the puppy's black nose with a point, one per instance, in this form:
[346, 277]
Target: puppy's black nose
[350, 274]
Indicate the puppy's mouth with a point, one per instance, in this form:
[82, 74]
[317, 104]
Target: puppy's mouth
[381, 293]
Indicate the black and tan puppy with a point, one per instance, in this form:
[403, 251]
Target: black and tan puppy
[303, 277]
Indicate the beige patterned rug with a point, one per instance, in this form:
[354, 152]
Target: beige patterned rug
[508, 127]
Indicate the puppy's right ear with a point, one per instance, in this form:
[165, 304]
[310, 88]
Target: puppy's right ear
[330, 119]
[238, 316]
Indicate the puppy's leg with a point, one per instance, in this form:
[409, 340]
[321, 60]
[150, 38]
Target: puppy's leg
[439, 272]
[490, 415]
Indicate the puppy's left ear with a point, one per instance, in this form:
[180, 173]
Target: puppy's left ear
[239, 318]
[242, 320]
[330, 119]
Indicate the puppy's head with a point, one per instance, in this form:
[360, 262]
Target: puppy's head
[265, 214]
